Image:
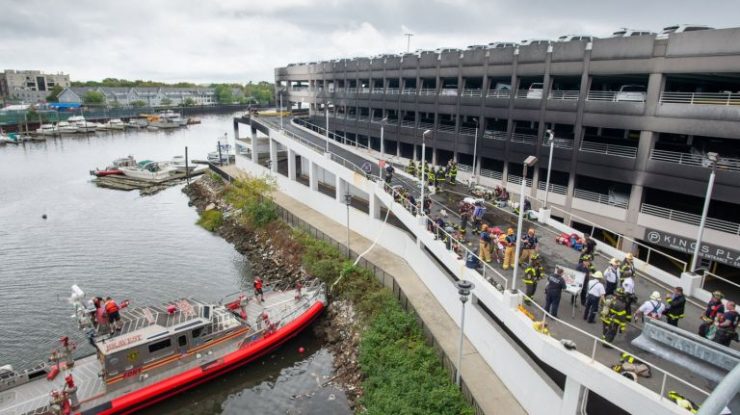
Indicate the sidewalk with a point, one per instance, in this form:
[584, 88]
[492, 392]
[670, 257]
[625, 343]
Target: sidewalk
[487, 389]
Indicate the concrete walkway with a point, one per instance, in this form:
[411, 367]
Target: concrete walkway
[487, 389]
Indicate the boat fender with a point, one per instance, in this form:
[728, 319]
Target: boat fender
[53, 372]
[171, 309]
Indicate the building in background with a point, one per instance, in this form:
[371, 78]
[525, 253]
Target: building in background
[29, 86]
[150, 96]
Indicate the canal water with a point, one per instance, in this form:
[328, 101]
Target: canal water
[146, 249]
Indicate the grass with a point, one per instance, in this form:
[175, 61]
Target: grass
[402, 374]
[211, 220]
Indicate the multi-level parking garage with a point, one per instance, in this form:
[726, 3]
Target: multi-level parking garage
[634, 119]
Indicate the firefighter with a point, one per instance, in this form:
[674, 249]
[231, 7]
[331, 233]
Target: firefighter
[509, 247]
[675, 305]
[727, 325]
[614, 315]
[714, 308]
[532, 274]
[484, 245]
[453, 173]
[440, 176]
[411, 168]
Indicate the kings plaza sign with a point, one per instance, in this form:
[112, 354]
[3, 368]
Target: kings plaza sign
[727, 256]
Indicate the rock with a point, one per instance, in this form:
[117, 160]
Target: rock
[210, 206]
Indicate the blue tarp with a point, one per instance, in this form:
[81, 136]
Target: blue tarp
[63, 105]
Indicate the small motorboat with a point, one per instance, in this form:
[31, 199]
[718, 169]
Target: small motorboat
[83, 126]
[193, 120]
[149, 170]
[115, 167]
[137, 123]
[178, 162]
[64, 127]
[114, 124]
[47, 129]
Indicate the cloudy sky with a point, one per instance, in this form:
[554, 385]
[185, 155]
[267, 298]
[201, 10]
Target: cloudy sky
[243, 40]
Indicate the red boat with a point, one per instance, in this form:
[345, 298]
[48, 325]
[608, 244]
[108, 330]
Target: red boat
[114, 168]
[159, 352]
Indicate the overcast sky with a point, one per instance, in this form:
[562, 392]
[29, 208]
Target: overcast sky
[240, 40]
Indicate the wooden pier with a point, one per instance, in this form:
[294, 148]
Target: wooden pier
[145, 186]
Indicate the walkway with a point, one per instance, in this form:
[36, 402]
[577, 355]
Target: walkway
[487, 389]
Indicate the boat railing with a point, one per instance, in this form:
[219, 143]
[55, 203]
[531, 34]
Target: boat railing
[606, 353]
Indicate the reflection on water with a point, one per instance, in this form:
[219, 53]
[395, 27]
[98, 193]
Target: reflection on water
[145, 249]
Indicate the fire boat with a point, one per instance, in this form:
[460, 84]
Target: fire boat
[160, 351]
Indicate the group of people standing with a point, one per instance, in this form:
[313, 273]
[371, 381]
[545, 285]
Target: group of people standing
[106, 318]
[434, 176]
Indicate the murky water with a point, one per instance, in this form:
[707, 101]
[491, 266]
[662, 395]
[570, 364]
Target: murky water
[145, 249]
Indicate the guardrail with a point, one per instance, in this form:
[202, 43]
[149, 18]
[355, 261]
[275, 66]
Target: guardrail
[690, 218]
[512, 178]
[602, 198]
[492, 174]
[364, 90]
[495, 135]
[700, 98]
[712, 276]
[527, 94]
[408, 91]
[446, 128]
[465, 167]
[392, 91]
[468, 131]
[500, 93]
[563, 143]
[699, 160]
[408, 124]
[448, 91]
[609, 149]
[472, 92]
[554, 188]
[523, 138]
[601, 96]
[426, 126]
[564, 95]
[428, 91]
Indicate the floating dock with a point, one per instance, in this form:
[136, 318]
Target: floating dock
[146, 186]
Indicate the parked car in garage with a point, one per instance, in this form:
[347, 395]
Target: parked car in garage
[634, 93]
[626, 32]
[681, 28]
[573, 38]
[535, 91]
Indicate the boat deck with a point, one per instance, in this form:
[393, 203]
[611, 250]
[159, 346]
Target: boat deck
[33, 397]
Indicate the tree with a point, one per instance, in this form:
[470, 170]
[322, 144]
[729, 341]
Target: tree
[138, 103]
[115, 104]
[223, 94]
[165, 102]
[93, 98]
[189, 102]
[54, 94]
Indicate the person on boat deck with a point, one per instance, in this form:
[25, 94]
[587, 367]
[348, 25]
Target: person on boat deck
[101, 317]
[258, 289]
[114, 317]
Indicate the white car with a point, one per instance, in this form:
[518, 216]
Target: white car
[681, 28]
[501, 45]
[573, 38]
[527, 42]
[535, 91]
[633, 93]
[625, 32]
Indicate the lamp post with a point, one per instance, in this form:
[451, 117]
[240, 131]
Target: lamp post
[382, 144]
[327, 125]
[475, 150]
[528, 162]
[463, 288]
[713, 157]
[348, 202]
[280, 97]
[421, 166]
[551, 140]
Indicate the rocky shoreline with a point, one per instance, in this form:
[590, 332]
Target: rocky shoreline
[275, 256]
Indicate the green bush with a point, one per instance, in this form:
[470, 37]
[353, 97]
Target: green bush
[211, 219]
[260, 213]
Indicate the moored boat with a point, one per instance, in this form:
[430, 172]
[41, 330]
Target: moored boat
[83, 126]
[47, 129]
[178, 162]
[149, 170]
[113, 124]
[64, 127]
[115, 167]
[158, 352]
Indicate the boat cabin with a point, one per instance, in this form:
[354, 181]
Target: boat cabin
[150, 337]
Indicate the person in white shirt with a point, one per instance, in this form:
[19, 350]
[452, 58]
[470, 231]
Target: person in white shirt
[628, 283]
[653, 308]
[611, 275]
[595, 293]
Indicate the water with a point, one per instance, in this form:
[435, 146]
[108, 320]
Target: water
[143, 248]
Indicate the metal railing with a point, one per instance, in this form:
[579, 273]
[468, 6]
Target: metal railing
[523, 138]
[426, 125]
[712, 276]
[446, 128]
[377, 91]
[448, 91]
[690, 159]
[408, 124]
[500, 93]
[602, 198]
[690, 218]
[701, 98]
[428, 91]
[601, 96]
[495, 135]
[554, 188]
[465, 167]
[512, 178]
[408, 91]
[564, 95]
[609, 149]
[364, 90]
[392, 91]
[563, 143]
[527, 94]
[351, 90]
[468, 131]
[492, 174]
[477, 92]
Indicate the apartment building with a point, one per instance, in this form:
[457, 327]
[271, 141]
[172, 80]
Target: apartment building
[29, 86]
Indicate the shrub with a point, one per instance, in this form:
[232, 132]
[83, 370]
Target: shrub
[211, 220]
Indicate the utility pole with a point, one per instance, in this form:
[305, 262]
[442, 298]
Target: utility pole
[408, 41]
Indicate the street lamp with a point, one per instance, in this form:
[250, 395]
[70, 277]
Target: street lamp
[348, 202]
[475, 150]
[528, 162]
[463, 288]
[327, 125]
[382, 145]
[551, 141]
[421, 166]
[280, 97]
[713, 157]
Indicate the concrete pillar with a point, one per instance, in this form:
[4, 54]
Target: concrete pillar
[374, 204]
[656, 82]
[633, 207]
[291, 164]
[691, 283]
[273, 156]
[253, 145]
[572, 396]
[647, 143]
[341, 189]
[313, 176]
[398, 148]
[415, 155]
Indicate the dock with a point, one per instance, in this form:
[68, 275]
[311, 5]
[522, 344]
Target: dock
[145, 186]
